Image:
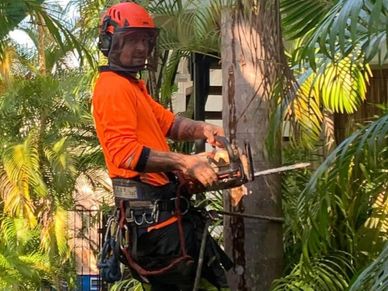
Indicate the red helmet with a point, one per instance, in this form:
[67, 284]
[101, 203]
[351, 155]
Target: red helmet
[120, 21]
[125, 15]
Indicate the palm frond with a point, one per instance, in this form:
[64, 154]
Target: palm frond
[12, 13]
[375, 276]
[337, 194]
[302, 16]
[62, 166]
[336, 88]
[23, 182]
[4, 263]
[349, 24]
[185, 29]
[8, 230]
[128, 284]
[320, 273]
[61, 225]
[15, 12]
[169, 74]
[332, 72]
[61, 34]
[20, 263]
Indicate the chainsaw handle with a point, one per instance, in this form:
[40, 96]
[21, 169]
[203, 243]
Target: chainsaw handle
[226, 144]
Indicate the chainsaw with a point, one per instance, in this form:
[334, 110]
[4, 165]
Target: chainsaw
[233, 166]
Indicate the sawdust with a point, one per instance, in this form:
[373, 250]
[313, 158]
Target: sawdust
[237, 193]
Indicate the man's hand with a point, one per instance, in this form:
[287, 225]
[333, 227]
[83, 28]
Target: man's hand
[210, 131]
[193, 166]
[198, 167]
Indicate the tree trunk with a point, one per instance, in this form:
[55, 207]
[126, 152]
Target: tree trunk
[41, 45]
[252, 61]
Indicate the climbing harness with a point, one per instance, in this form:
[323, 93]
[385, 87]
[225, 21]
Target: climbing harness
[142, 209]
[141, 212]
[126, 242]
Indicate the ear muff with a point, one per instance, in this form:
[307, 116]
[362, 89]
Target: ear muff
[105, 38]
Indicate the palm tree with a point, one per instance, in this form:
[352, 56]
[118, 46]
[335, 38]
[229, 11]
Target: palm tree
[46, 16]
[253, 63]
[331, 59]
[42, 125]
[325, 245]
[343, 213]
[47, 134]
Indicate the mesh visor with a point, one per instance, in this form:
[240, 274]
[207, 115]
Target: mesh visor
[132, 48]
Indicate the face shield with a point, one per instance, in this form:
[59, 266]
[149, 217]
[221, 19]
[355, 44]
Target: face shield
[132, 48]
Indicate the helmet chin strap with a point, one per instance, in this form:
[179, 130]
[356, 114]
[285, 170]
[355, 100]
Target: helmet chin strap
[129, 69]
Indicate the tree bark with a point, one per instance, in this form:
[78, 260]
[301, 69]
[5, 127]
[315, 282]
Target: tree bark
[253, 59]
[41, 45]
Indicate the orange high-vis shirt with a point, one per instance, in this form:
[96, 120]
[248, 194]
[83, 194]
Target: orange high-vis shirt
[128, 122]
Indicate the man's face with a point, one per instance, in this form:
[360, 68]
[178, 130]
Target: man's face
[131, 48]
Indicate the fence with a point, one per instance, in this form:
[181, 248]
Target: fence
[86, 238]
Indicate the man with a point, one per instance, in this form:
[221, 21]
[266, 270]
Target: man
[132, 130]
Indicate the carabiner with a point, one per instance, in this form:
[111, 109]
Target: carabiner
[109, 223]
[150, 216]
[155, 211]
[139, 222]
[187, 202]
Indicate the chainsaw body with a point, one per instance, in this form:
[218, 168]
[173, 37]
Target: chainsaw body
[232, 164]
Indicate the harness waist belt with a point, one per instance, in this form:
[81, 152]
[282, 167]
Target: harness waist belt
[125, 189]
[161, 205]
[136, 190]
[146, 205]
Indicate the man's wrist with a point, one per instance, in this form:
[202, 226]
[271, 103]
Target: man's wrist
[143, 159]
[165, 161]
[187, 129]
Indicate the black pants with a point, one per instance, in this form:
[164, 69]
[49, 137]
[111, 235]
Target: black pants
[156, 248]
